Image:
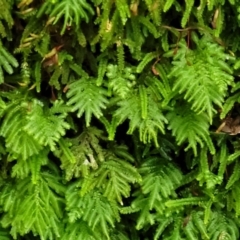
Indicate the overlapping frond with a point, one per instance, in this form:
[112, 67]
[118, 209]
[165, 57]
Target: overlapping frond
[94, 208]
[115, 175]
[202, 75]
[144, 113]
[48, 126]
[87, 98]
[190, 127]
[159, 183]
[81, 154]
[119, 119]
[40, 211]
[18, 141]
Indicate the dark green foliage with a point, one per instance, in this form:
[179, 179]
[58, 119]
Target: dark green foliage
[119, 120]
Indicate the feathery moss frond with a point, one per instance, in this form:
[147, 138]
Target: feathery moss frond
[32, 165]
[202, 75]
[190, 127]
[131, 108]
[71, 11]
[47, 126]
[93, 208]
[120, 82]
[80, 154]
[85, 97]
[41, 207]
[159, 180]
[107, 118]
[81, 230]
[6, 18]
[115, 175]
[18, 141]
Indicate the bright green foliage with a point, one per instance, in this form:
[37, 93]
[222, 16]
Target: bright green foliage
[120, 83]
[235, 175]
[119, 120]
[47, 127]
[41, 206]
[81, 154]
[144, 113]
[27, 128]
[80, 230]
[6, 18]
[202, 75]
[231, 100]
[32, 166]
[222, 227]
[17, 139]
[85, 97]
[190, 127]
[158, 184]
[115, 175]
[6, 62]
[93, 208]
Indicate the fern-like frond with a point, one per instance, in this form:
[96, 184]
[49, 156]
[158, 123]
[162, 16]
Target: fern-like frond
[81, 154]
[131, 108]
[147, 58]
[190, 127]
[47, 126]
[31, 165]
[40, 210]
[21, 122]
[232, 199]
[148, 25]
[135, 37]
[94, 208]
[114, 177]
[123, 9]
[102, 68]
[222, 226]
[234, 156]
[159, 181]
[228, 105]
[62, 67]
[168, 5]
[70, 10]
[187, 12]
[163, 224]
[205, 175]
[81, 230]
[140, 204]
[6, 18]
[202, 75]
[85, 97]
[235, 175]
[160, 88]
[223, 159]
[18, 141]
[186, 202]
[218, 20]
[120, 82]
